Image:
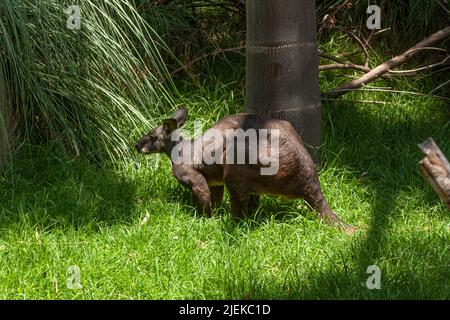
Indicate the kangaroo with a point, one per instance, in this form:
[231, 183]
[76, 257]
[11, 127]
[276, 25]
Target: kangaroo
[295, 178]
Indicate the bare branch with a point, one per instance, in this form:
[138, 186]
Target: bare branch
[429, 48]
[343, 91]
[443, 7]
[348, 66]
[331, 57]
[360, 43]
[421, 68]
[439, 86]
[356, 101]
[381, 31]
[388, 65]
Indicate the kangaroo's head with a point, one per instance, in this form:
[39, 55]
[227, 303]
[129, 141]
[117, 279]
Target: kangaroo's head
[158, 139]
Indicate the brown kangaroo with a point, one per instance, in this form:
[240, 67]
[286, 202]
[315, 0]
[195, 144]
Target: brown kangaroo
[295, 178]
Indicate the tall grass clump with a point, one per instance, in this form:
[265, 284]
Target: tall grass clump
[84, 90]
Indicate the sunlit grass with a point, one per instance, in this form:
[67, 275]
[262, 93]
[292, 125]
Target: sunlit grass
[133, 231]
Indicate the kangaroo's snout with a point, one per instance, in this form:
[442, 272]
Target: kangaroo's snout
[143, 147]
[140, 146]
[157, 139]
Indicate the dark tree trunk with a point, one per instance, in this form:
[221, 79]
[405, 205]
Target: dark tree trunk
[282, 79]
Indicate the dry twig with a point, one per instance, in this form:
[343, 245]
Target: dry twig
[388, 65]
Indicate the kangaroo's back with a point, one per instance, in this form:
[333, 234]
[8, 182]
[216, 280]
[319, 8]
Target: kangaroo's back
[291, 153]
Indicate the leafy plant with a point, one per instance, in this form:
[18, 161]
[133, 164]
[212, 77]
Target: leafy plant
[84, 90]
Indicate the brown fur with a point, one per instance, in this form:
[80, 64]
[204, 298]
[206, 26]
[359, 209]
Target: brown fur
[296, 176]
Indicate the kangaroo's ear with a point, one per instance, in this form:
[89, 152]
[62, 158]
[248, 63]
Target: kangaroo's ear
[180, 116]
[169, 125]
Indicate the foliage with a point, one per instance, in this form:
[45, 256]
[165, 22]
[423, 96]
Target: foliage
[84, 90]
[133, 230]
[135, 234]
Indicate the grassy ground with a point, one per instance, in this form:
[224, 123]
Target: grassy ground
[134, 233]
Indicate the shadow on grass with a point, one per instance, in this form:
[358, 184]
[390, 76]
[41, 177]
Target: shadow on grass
[53, 193]
[387, 149]
[58, 194]
[384, 147]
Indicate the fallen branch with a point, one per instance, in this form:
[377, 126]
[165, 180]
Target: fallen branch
[360, 43]
[356, 101]
[388, 65]
[348, 65]
[392, 91]
[439, 86]
[343, 64]
[372, 34]
[434, 65]
[430, 48]
[329, 19]
[331, 57]
[443, 7]
[436, 169]
[340, 64]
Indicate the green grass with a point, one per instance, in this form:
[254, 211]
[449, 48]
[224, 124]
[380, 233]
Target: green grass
[133, 230]
[57, 212]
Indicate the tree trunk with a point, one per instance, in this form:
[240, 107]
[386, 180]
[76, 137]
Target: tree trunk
[282, 79]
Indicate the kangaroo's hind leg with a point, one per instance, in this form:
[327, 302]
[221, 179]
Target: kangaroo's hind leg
[314, 197]
[239, 193]
[253, 203]
[216, 195]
